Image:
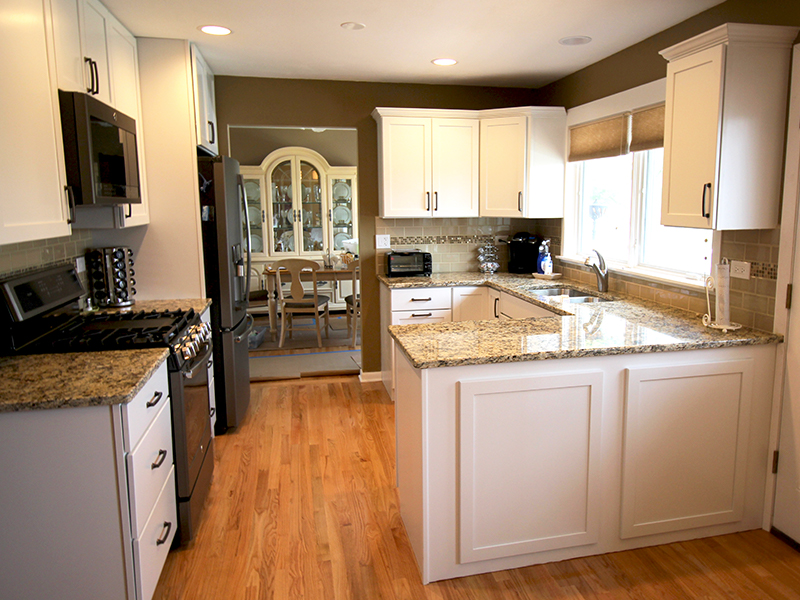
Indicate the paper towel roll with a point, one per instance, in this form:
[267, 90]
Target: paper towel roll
[723, 299]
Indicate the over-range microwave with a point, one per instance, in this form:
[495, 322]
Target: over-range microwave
[99, 152]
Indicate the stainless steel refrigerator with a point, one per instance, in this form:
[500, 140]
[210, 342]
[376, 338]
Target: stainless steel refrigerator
[227, 257]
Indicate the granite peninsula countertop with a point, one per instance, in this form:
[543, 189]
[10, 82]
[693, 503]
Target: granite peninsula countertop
[42, 381]
[622, 325]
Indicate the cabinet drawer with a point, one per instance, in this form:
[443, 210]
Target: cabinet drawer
[421, 316]
[140, 412]
[421, 298]
[148, 467]
[151, 548]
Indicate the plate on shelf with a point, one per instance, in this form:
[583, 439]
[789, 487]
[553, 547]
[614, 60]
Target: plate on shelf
[341, 191]
[252, 190]
[338, 240]
[256, 245]
[287, 239]
[254, 215]
[341, 214]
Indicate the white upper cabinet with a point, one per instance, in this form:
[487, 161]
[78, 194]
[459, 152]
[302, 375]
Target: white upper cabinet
[724, 128]
[205, 104]
[429, 165]
[466, 163]
[33, 204]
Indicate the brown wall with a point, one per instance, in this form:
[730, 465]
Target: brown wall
[642, 63]
[304, 103]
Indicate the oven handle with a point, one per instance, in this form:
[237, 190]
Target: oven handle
[198, 363]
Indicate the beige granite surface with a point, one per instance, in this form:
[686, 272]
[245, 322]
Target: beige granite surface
[621, 325]
[43, 381]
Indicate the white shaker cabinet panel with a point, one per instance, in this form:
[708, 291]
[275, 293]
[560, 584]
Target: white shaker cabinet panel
[471, 303]
[529, 464]
[503, 159]
[33, 204]
[71, 67]
[205, 104]
[725, 126]
[455, 152]
[405, 166]
[685, 446]
[95, 48]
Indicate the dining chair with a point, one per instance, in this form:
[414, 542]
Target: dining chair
[258, 300]
[353, 302]
[297, 301]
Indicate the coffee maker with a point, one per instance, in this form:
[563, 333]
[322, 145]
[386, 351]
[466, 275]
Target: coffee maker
[523, 251]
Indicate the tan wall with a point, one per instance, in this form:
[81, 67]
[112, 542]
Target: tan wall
[300, 103]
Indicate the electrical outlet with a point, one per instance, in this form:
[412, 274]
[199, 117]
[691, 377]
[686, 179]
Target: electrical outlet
[382, 241]
[740, 269]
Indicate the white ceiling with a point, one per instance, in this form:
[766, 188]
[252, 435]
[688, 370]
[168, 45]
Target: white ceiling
[496, 42]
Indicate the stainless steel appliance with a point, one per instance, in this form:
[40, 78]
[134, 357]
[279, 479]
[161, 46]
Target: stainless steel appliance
[227, 257]
[111, 276]
[408, 263]
[99, 152]
[35, 319]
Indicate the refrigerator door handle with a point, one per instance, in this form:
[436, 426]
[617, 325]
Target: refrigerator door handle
[243, 197]
[250, 322]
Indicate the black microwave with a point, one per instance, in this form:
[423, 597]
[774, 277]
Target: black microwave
[99, 151]
[411, 263]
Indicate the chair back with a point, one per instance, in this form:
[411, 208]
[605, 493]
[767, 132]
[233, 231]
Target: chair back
[294, 266]
[355, 267]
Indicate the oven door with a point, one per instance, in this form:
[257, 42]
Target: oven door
[191, 422]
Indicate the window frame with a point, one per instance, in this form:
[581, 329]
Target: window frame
[629, 100]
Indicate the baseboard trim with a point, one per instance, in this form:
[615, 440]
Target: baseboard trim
[785, 538]
[370, 377]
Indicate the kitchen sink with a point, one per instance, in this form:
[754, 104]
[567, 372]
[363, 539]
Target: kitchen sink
[572, 295]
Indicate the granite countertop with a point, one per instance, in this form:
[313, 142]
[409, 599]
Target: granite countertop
[41, 381]
[198, 304]
[622, 325]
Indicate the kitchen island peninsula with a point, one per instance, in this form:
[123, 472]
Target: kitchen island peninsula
[611, 424]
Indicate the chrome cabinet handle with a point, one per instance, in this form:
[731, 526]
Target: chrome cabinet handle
[422, 314]
[162, 456]
[70, 204]
[519, 201]
[421, 299]
[154, 400]
[213, 139]
[496, 301]
[164, 533]
[706, 188]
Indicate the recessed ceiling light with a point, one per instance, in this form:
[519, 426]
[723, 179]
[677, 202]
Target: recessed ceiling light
[352, 26]
[214, 29]
[575, 40]
[444, 62]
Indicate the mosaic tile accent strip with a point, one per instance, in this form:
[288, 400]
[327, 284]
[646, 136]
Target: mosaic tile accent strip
[440, 239]
[764, 270]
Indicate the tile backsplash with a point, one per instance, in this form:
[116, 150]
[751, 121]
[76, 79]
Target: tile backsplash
[24, 256]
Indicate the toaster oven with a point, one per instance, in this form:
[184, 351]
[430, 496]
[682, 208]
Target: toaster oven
[408, 263]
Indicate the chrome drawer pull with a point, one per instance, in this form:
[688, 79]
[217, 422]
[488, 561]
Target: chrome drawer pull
[422, 315]
[162, 456]
[421, 299]
[164, 533]
[154, 400]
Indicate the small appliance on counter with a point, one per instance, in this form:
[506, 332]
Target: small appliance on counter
[523, 252]
[111, 276]
[408, 263]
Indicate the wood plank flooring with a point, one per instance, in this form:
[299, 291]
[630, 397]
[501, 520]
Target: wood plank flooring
[303, 506]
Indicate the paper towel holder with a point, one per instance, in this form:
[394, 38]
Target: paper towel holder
[710, 284]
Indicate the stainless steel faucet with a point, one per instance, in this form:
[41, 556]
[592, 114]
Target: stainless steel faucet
[600, 270]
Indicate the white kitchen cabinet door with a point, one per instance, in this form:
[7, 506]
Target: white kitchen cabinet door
[95, 48]
[33, 204]
[455, 154]
[205, 105]
[512, 307]
[405, 167]
[725, 127]
[70, 65]
[471, 303]
[692, 129]
[124, 69]
[503, 166]
[685, 446]
[529, 452]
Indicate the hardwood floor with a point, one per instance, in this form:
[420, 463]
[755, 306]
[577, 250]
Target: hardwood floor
[303, 506]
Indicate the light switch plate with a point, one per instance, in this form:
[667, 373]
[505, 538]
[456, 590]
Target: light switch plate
[382, 241]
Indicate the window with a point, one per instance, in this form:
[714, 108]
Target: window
[614, 196]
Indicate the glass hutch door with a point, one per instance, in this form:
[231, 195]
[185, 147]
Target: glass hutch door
[343, 206]
[311, 208]
[253, 177]
[283, 213]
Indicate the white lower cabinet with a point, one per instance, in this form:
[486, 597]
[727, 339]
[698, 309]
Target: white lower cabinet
[505, 465]
[523, 443]
[685, 446]
[88, 498]
[471, 303]
[511, 307]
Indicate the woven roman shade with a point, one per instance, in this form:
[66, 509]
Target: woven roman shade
[647, 129]
[632, 132]
[599, 139]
